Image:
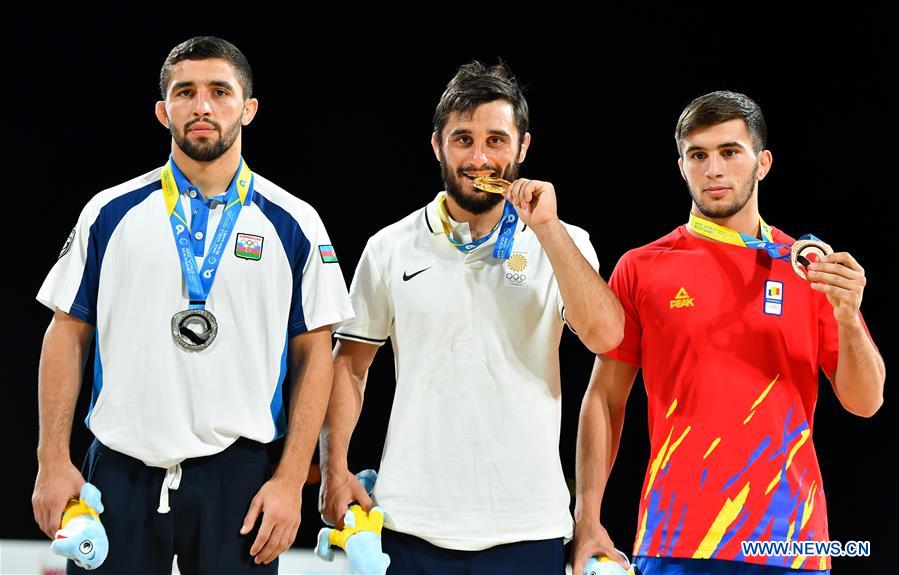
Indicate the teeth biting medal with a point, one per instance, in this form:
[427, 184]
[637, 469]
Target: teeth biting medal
[492, 185]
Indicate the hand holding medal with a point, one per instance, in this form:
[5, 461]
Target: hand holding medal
[840, 277]
[806, 252]
[534, 200]
[837, 275]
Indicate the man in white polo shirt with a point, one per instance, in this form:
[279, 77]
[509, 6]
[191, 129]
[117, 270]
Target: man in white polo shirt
[473, 293]
[211, 292]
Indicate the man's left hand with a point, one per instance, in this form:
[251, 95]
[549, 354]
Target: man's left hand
[842, 280]
[279, 502]
[535, 201]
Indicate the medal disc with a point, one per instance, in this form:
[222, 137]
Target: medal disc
[194, 329]
[805, 252]
[492, 185]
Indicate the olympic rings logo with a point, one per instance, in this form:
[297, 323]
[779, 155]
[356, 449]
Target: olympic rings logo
[516, 278]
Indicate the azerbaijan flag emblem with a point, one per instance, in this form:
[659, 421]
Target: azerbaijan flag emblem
[248, 247]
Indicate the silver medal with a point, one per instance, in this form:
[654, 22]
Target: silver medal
[194, 329]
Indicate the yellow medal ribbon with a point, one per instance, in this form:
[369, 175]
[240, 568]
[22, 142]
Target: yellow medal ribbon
[724, 234]
[171, 193]
[506, 226]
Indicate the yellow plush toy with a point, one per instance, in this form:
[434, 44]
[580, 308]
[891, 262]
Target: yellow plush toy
[360, 536]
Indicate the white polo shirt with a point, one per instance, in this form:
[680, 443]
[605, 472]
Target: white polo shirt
[471, 458]
[120, 272]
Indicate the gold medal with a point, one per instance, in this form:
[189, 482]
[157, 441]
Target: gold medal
[492, 185]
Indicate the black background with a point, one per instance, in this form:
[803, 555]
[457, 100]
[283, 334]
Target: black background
[344, 122]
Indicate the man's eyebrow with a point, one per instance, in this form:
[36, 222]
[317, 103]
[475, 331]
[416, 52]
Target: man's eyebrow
[191, 83]
[222, 83]
[466, 131]
[733, 144]
[182, 84]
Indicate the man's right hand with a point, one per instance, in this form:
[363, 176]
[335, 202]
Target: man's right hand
[56, 483]
[339, 489]
[592, 540]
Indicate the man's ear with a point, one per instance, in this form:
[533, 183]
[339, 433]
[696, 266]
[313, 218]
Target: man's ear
[525, 144]
[250, 107]
[161, 114]
[435, 145]
[766, 158]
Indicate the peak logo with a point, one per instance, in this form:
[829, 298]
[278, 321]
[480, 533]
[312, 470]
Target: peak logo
[682, 299]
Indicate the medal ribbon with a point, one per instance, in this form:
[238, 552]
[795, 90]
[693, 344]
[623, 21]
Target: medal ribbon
[199, 282]
[723, 234]
[506, 226]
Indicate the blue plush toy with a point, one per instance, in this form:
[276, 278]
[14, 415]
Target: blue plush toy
[605, 566]
[81, 536]
[360, 536]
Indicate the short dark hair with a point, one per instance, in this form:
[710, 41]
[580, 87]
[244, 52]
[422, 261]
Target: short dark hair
[204, 48]
[722, 106]
[475, 84]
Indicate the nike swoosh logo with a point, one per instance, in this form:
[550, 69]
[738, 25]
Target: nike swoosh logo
[407, 277]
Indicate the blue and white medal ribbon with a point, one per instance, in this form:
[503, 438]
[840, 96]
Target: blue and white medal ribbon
[195, 328]
[805, 250]
[506, 226]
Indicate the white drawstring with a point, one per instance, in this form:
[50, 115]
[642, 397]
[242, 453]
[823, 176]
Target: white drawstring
[171, 481]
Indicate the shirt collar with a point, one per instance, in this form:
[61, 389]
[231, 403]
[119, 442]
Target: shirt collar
[434, 227]
[185, 187]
